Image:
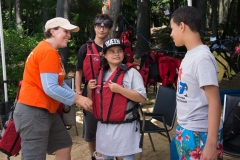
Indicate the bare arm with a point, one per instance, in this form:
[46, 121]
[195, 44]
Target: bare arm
[214, 114]
[78, 80]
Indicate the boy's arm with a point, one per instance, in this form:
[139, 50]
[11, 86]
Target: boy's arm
[92, 84]
[79, 67]
[78, 80]
[214, 114]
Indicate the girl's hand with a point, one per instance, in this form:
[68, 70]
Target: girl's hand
[114, 87]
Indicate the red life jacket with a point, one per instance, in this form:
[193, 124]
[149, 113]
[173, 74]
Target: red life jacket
[149, 67]
[91, 63]
[124, 37]
[112, 107]
[157, 67]
[128, 51]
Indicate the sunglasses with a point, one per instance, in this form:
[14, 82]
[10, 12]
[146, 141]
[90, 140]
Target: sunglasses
[105, 22]
[98, 26]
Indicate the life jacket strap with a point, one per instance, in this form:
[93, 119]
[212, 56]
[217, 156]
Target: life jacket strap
[135, 113]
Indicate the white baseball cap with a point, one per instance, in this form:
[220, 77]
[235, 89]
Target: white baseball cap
[60, 22]
[112, 42]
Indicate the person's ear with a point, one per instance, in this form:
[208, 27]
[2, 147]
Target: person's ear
[52, 31]
[182, 26]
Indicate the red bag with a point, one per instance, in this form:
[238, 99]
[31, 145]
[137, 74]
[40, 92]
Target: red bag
[125, 38]
[10, 142]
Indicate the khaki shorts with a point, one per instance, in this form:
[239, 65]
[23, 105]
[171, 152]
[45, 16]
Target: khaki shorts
[40, 132]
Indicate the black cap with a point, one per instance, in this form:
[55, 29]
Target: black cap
[112, 42]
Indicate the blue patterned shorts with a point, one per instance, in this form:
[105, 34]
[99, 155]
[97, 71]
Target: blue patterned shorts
[190, 144]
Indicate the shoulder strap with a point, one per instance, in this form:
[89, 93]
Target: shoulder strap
[19, 87]
[89, 47]
[15, 102]
[123, 68]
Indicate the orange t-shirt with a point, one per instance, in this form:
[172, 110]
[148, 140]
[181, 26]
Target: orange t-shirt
[43, 59]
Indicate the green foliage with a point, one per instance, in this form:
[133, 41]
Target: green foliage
[17, 48]
[71, 64]
[157, 12]
[82, 15]
[130, 11]
[158, 5]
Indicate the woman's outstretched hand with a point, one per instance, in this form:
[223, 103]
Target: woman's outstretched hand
[83, 102]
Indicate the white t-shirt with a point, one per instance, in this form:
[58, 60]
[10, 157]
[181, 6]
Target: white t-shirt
[198, 69]
[121, 139]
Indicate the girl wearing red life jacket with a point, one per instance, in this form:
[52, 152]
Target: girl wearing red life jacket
[117, 135]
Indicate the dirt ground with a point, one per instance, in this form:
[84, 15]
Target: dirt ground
[80, 148]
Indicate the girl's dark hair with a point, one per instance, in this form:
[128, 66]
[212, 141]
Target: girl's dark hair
[48, 34]
[189, 16]
[105, 65]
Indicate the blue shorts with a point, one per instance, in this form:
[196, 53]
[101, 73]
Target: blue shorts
[190, 144]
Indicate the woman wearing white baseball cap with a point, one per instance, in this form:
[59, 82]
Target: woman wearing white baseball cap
[43, 88]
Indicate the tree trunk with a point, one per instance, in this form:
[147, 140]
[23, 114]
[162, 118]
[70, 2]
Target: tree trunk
[238, 18]
[121, 27]
[28, 21]
[18, 15]
[176, 5]
[45, 11]
[10, 11]
[63, 10]
[121, 24]
[3, 5]
[202, 7]
[214, 18]
[172, 7]
[223, 11]
[229, 15]
[155, 20]
[143, 27]
[115, 8]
